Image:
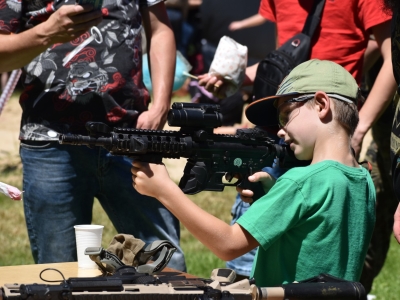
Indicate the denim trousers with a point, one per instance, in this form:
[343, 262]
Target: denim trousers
[60, 183]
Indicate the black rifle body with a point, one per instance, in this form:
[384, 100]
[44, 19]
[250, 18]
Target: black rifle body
[212, 158]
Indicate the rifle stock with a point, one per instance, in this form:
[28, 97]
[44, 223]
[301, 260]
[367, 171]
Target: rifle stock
[126, 284]
[211, 157]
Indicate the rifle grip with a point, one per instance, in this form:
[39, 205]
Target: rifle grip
[255, 187]
[194, 177]
[258, 190]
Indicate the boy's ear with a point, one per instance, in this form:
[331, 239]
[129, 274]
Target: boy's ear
[323, 104]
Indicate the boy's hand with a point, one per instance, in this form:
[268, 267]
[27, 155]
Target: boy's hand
[149, 179]
[267, 181]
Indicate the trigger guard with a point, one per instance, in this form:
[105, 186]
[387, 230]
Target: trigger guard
[229, 177]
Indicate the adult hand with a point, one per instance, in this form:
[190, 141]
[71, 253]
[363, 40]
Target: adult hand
[151, 120]
[267, 182]
[396, 226]
[214, 84]
[65, 24]
[150, 179]
[236, 25]
[68, 23]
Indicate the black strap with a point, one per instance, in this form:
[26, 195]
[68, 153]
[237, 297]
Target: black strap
[314, 18]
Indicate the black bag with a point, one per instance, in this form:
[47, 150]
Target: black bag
[278, 63]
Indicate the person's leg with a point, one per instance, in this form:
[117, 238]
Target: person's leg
[132, 213]
[57, 195]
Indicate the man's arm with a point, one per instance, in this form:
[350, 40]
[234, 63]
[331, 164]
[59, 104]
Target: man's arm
[382, 91]
[252, 21]
[162, 57]
[225, 241]
[371, 55]
[64, 25]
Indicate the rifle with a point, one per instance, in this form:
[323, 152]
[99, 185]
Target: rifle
[210, 156]
[127, 284]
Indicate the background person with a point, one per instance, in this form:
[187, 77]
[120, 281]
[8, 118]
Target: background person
[214, 23]
[85, 65]
[393, 6]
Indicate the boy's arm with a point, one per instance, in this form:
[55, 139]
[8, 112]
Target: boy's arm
[64, 25]
[382, 91]
[225, 241]
[162, 56]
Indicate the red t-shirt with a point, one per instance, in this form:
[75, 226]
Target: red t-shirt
[345, 27]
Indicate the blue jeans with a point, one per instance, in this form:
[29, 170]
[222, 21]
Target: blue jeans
[60, 183]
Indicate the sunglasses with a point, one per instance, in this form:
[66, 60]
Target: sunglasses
[283, 115]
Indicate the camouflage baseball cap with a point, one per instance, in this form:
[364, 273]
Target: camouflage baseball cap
[307, 78]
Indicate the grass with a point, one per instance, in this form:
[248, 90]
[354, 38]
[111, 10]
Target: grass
[15, 244]
[15, 248]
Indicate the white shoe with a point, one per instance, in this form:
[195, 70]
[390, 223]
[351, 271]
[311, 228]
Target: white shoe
[371, 297]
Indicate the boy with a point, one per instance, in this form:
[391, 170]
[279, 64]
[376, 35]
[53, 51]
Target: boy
[315, 219]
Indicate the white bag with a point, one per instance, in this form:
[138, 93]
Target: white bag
[230, 62]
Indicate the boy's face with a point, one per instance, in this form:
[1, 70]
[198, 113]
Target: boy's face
[297, 122]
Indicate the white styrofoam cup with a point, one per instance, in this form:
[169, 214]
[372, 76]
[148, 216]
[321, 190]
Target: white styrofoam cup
[87, 236]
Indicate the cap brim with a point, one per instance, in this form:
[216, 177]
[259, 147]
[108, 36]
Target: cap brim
[262, 112]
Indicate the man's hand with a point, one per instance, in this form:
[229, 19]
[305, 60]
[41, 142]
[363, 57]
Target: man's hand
[396, 226]
[68, 23]
[151, 120]
[214, 84]
[150, 179]
[267, 182]
[236, 25]
[65, 24]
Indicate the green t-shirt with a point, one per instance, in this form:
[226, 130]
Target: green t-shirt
[315, 219]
